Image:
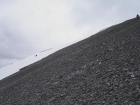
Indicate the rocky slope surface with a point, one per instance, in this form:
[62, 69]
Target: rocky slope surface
[103, 69]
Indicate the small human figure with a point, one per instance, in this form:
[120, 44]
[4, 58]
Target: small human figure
[137, 16]
[35, 55]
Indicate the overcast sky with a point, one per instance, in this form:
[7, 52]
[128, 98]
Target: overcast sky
[30, 26]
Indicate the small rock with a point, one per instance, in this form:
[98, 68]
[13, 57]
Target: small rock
[109, 70]
[63, 94]
[121, 85]
[132, 75]
[53, 98]
[99, 63]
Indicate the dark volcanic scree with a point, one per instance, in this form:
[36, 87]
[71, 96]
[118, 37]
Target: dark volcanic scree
[103, 69]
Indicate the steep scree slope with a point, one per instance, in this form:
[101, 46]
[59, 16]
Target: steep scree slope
[103, 69]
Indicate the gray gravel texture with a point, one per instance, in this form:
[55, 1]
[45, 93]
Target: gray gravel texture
[103, 69]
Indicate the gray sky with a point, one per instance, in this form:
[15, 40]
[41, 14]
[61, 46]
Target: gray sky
[29, 26]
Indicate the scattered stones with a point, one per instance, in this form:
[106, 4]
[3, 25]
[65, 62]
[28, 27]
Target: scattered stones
[101, 70]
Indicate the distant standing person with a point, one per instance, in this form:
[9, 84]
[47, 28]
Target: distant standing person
[137, 16]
